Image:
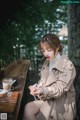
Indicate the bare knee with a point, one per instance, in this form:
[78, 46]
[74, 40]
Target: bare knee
[26, 110]
[30, 110]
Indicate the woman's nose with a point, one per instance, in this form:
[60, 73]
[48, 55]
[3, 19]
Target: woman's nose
[46, 53]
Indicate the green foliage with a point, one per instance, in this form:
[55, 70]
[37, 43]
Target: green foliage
[32, 20]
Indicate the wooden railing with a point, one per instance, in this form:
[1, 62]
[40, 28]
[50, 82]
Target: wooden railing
[11, 104]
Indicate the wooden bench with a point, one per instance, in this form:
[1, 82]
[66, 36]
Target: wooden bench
[17, 70]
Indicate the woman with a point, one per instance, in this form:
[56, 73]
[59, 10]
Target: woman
[55, 94]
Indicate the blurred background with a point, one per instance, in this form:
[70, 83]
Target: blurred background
[24, 22]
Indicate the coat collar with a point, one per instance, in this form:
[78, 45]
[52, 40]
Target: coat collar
[60, 64]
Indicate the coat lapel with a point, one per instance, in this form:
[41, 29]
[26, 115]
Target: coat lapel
[53, 76]
[51, 79]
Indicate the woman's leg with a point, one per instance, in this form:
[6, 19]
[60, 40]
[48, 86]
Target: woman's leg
[30, 111]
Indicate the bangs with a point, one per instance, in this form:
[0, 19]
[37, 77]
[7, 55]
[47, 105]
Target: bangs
[47, 44]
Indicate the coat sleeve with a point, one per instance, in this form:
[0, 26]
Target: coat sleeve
[62, 84]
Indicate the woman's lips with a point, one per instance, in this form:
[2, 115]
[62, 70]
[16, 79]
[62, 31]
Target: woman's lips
[48, 57]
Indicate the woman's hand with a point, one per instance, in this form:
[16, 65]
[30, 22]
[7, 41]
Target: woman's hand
[35, 90]
[32, 87]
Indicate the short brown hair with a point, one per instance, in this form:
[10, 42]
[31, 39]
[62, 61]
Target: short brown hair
[52, 40]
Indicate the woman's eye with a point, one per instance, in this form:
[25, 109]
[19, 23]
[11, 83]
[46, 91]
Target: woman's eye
[49, 50]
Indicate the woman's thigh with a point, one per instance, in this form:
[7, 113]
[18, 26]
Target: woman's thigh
[38, 103]
[33, 107]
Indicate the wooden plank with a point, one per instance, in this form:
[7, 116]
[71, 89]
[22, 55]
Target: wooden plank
[8, 102]
[17, 70]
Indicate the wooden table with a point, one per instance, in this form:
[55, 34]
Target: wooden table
[17, 70]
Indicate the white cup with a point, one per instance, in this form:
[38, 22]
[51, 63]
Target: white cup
[7, 83]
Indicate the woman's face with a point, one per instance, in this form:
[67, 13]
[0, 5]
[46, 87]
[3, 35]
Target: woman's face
[48, 52]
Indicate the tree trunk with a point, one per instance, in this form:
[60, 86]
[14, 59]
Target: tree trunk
[74, 46]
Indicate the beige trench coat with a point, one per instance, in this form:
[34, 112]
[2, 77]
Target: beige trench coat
[58, 100]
